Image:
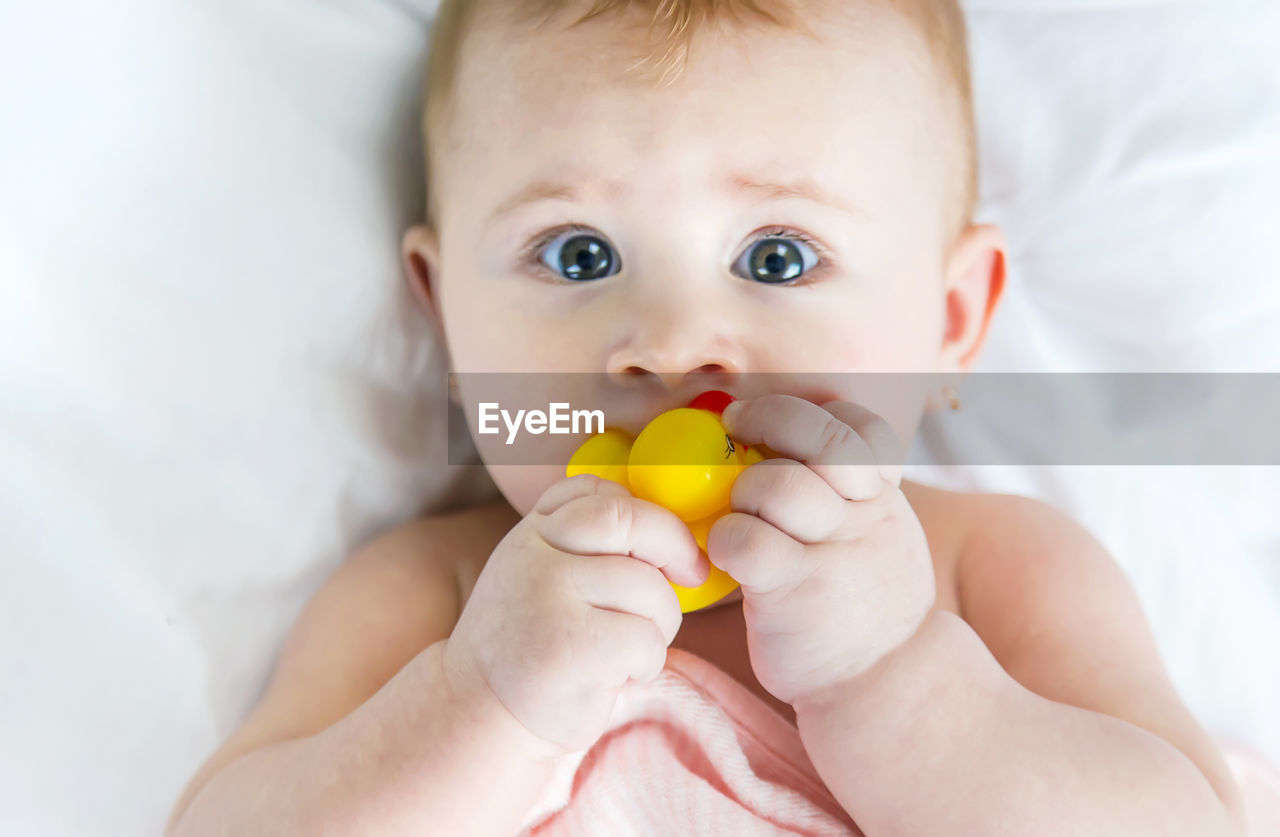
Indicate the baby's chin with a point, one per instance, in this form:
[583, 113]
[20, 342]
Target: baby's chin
[523, 485]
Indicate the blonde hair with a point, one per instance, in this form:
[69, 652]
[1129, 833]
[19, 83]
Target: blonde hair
[672, 25]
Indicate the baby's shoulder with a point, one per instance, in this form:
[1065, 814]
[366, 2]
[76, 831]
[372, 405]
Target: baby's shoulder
[965, 523]
[987, 545]
[1009, 561]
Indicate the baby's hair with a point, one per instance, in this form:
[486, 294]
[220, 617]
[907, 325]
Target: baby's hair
[674, 23]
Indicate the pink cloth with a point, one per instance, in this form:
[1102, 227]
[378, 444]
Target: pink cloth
[692, 753]
[697, 753]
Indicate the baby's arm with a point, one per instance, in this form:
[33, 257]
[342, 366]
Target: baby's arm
[1045, 711]
[361, 731]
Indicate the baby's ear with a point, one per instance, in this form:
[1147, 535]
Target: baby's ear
[974, 281]
[420, 255]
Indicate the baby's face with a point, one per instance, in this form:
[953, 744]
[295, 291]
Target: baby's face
[782, 208]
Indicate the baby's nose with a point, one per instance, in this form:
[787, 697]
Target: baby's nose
[672, 356]
[660, 336]
[709, 376]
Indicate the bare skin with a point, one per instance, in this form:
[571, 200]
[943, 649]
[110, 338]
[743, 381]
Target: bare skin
[403, 594]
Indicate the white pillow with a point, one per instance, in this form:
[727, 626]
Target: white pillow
[214, 385]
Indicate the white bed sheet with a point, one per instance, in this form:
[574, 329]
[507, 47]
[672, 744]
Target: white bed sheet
[211, 389]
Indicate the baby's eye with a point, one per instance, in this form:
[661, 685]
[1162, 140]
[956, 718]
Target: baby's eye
[776, 259]
[580, 256]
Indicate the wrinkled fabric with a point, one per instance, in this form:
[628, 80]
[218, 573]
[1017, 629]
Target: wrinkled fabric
[697, 753]
[692, 753]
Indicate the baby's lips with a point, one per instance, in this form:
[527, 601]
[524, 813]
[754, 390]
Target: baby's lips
[714, 400]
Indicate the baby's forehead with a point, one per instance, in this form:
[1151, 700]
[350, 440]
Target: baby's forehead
[749, 77]
[576, 86]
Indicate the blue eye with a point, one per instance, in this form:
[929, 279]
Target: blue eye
[777, 259]
[580, 256]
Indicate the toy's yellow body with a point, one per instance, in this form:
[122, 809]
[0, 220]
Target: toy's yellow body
[684, 461]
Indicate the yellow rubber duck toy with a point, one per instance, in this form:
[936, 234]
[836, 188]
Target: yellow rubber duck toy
[684, 461]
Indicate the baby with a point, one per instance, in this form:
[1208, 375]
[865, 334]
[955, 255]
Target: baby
[676, 194]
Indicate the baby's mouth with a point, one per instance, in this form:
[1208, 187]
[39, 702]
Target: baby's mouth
[635, 421]
[634, 416]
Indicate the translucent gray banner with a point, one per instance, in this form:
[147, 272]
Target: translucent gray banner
[1002, 418]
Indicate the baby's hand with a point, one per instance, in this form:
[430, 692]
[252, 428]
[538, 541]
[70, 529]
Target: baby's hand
[573, 605]
[834, 566]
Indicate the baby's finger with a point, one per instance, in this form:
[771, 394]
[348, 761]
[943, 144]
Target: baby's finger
[789, 495]
[581, 485]
[804, 431]
[879, 435]
[756, 554]
[616, 582]
[635, 650]
[608, 524]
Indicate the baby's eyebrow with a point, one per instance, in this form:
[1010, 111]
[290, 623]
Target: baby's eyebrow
[802, 188]
[544, 190]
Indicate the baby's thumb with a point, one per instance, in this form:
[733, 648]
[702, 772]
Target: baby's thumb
[690, 571]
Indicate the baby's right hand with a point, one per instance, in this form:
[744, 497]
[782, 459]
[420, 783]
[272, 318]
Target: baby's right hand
[573, 605]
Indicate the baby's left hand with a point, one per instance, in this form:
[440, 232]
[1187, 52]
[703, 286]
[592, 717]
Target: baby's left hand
[834, 566]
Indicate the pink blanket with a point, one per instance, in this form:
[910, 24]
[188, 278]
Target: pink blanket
[697, 753]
